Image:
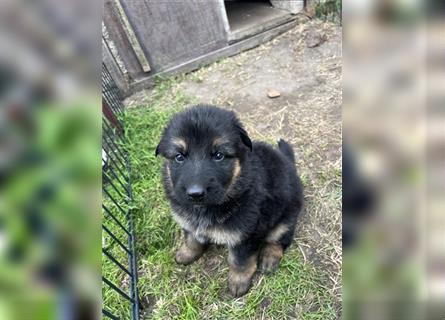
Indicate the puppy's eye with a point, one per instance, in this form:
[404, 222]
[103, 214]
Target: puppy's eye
[218, 156]
[179, 157]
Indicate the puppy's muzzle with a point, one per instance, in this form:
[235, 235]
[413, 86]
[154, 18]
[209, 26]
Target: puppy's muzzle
[196, 192]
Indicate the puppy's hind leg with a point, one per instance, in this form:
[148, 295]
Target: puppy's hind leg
[278, 239]
[190, 251]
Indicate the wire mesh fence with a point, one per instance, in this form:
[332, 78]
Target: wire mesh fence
[119, 263]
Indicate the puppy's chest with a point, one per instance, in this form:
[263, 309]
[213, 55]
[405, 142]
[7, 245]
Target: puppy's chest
[204, 233]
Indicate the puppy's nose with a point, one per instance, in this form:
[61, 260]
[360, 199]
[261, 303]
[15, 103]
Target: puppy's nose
[195, 192]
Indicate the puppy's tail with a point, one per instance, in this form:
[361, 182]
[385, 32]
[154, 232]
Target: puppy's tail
[286, 149]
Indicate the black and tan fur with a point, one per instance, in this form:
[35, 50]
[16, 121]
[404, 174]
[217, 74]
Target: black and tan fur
[224, 189]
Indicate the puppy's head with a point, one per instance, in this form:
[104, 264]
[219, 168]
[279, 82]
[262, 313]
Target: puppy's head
[204, 148]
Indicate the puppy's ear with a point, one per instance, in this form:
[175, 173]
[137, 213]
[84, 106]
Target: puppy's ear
[160, 148]
[244, 137]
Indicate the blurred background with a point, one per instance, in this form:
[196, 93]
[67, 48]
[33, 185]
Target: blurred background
[393, 160]
[394, 173]
[50, 159]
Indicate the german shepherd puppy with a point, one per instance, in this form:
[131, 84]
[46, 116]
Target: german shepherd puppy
[226, 190]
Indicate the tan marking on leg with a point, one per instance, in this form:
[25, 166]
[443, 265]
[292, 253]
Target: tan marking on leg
[180, 143]
[271, 256]
[276, 233]
[189, 251]
[240, 277]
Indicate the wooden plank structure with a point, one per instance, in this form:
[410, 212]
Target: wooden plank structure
[147, 38]
[115, 27]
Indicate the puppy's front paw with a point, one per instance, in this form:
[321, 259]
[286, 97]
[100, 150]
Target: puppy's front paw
[269, 264]
[186, 255]
[271, 258]
[239, 287]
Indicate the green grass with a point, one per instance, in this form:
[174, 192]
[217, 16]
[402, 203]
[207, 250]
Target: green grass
[328, 10]
[199, 291]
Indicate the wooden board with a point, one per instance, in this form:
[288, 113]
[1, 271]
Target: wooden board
[208, 58]
[113, 68]
[173, 32]
[120, 39]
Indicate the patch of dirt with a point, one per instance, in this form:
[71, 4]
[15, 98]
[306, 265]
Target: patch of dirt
[147, 304]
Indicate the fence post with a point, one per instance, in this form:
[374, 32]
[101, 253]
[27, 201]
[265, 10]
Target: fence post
[113, 67]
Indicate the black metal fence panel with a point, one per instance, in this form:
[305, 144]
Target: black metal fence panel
[119, 261]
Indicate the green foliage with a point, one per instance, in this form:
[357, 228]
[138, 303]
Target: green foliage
[50, 191]
[329, 10]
